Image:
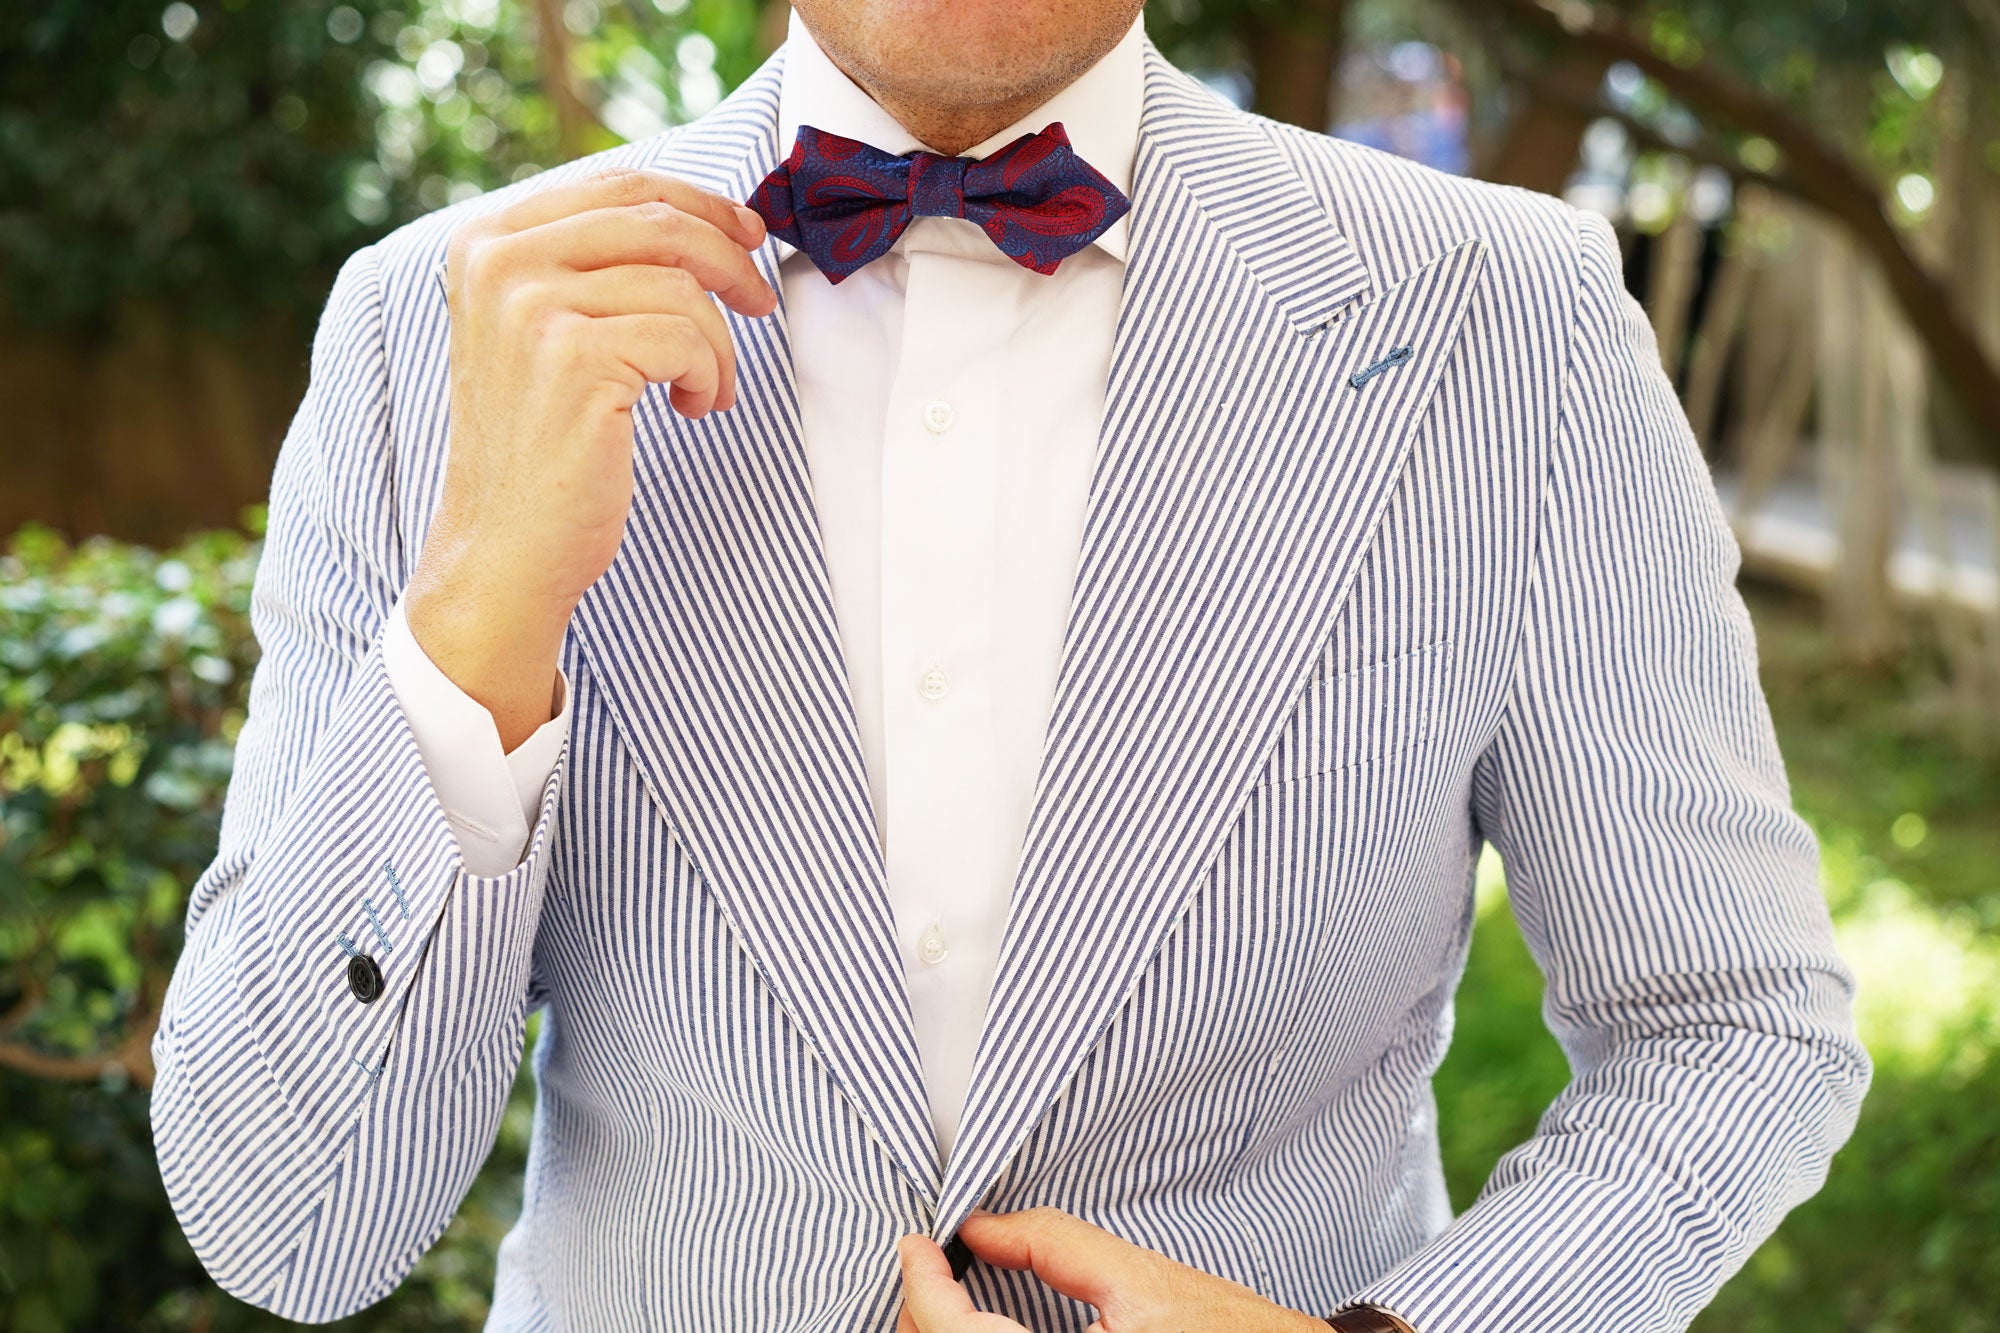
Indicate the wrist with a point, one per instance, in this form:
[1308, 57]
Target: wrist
[1367, 1319]
[502, 650]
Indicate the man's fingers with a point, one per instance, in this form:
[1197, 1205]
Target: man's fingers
[612, 187]
[662, 349]
[649, 233]
[932, 1298]
[1079, 1260]
[642, 289]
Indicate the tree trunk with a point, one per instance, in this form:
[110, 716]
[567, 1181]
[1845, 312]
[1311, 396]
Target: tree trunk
[774, 19]
[1544, 138]
[574, 119]
[1722, 320]
[1856, 453]
[1670, 282]
[1294, 57]
[1965, 235]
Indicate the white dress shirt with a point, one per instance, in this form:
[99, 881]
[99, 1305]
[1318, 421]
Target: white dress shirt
[951, 402]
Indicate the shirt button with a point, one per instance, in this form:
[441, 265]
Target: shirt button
[931, 946]
[934, 684]
[364, 978]
[937, 416]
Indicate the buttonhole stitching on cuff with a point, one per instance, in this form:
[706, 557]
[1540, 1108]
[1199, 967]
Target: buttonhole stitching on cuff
[396, 887]
[376, 922]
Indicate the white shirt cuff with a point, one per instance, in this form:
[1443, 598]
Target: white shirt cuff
[490, 797]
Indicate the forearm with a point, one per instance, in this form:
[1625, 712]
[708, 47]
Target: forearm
[500, 648]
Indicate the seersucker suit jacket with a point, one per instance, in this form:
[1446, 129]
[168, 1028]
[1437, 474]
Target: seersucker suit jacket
[1397, 543]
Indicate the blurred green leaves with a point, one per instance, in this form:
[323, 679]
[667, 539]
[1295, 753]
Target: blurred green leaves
[221, 157]
[208, 170]
[124, 679]
[123, 674]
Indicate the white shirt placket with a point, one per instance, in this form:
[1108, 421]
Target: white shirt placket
[941, 635]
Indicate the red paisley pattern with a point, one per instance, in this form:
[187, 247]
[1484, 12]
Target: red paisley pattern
[844, 202]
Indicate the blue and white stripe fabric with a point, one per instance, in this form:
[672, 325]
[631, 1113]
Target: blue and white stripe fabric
[1331, 630]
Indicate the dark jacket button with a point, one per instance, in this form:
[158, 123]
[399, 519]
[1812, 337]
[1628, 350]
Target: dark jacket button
[960, 1255]
[364, 978]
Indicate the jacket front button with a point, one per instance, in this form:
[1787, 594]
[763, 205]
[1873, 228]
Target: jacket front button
[959, 1255]
[364, 978]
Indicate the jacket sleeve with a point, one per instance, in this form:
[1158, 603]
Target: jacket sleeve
[314, 1146]
[1667, 890]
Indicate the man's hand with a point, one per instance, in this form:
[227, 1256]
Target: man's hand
[564, 306]
[1134, 1290]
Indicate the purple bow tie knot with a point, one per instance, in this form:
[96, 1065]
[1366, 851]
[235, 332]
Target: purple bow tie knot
[844, 202]
[937, 185]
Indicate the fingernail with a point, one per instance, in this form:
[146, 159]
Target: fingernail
[752, 223]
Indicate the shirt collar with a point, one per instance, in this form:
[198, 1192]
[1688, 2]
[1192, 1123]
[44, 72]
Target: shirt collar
[1099, 109]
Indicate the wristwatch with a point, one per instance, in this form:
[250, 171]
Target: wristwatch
[1367, 1319]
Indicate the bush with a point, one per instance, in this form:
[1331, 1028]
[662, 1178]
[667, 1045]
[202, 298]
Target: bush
[124, 674]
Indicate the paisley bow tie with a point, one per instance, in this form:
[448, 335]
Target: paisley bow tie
[844, 202]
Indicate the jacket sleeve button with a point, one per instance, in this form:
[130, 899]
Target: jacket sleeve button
[364, 978]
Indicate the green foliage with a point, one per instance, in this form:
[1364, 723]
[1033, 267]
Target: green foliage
[210, 172]
[222, 157]
[123, 681]
[1761, 31]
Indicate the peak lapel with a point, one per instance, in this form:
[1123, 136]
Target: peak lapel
[1239, 476]
[713, 634]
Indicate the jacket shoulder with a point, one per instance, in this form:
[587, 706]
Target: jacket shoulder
[1398, 214]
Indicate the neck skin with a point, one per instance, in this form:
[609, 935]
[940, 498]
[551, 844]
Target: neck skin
[949, 130]
[952, 122]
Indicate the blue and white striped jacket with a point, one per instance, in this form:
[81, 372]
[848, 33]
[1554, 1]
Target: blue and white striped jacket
[1330, 631]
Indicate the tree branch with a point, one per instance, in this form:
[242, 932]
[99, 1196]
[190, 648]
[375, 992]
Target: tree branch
[133, 1055]
[18, 1013]
[575, 117]
[57, 1068]
[1820, 175]
[1648, 137]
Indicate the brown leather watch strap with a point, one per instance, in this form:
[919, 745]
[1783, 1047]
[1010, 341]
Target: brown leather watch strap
[1367, 1319]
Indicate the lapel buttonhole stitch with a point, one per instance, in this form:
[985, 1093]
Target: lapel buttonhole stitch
[1395, 358]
